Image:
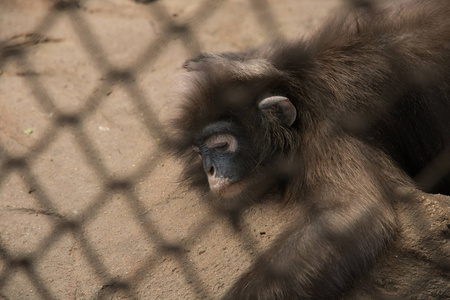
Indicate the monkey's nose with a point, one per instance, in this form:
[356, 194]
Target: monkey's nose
[211, 171]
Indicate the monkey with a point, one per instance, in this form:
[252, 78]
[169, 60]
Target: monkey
[338, 124]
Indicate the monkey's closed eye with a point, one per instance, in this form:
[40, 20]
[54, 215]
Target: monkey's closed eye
[222, 143]
[222, 147]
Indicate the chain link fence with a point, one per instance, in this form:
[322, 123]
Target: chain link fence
[90, 206]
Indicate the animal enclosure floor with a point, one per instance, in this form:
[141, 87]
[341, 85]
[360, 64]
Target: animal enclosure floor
[90, 207]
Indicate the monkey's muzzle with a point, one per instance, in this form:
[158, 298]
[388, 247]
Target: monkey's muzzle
[224, 187]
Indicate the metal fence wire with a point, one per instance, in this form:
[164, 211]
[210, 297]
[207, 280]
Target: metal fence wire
[28, 269]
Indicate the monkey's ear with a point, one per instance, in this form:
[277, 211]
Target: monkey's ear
[288, 111]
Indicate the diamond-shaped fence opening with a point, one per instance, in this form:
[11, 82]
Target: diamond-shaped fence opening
[89, 204]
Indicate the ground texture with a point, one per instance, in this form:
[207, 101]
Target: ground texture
[90, 206]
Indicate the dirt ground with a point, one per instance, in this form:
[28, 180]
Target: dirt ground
[89, 205]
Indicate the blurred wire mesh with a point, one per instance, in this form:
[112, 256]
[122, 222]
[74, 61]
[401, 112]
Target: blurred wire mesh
[29, 195]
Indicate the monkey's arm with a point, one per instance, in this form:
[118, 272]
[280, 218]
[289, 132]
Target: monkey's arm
[317, 258]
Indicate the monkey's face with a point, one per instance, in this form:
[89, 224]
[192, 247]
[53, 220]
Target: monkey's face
[236, 119]
[228, 153]
[227, 157]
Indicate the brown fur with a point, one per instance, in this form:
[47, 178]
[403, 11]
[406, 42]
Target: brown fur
[371, 90]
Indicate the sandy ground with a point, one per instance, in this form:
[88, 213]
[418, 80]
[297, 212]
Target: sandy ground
[89, 206]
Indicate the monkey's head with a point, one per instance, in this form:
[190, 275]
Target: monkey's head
[237, 120]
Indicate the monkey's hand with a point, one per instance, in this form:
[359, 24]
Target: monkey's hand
[318, 257]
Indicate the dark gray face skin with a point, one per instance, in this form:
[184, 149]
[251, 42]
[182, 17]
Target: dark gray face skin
[222, 147]
[227, 153]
